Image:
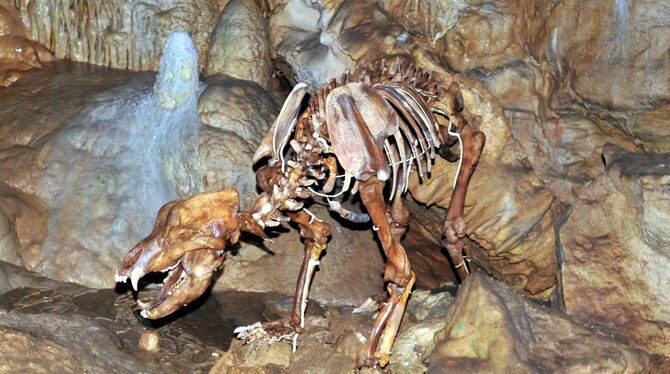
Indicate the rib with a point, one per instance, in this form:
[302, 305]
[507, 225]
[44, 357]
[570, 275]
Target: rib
[394, 166]
[402, 151]
[429, 121]
[401, 104]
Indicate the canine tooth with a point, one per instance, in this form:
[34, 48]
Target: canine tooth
[135, 276]
[144, 314]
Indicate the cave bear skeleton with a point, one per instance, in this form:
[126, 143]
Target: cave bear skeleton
[362, 134]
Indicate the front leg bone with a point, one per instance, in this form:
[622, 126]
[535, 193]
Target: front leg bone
[316, 233]
[454, 222]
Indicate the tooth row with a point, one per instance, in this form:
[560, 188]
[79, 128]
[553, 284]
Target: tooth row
[120, 278]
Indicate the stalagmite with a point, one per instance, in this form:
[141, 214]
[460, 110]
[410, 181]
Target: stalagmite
[177, 78]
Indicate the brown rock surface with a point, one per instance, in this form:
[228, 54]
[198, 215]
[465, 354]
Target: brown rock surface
[493, 329]
[239, 45]
[615, 250]
[565, 151]
[567, 70]
[100, 331]
[428, 19]
[424, 319]
[652, 128]
[17, 52]
[13, 277]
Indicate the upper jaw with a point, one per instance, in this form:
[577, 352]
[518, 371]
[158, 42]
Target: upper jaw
[136, 273]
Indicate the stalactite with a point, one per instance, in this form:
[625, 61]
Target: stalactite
[123, 34]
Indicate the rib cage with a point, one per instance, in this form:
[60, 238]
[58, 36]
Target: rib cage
[303, 152]
[410, 91]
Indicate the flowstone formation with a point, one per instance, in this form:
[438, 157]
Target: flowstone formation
[122, 154]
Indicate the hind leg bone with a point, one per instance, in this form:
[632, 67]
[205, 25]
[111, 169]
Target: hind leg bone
[397, 271]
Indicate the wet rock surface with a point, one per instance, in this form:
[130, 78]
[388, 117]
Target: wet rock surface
[616, 236]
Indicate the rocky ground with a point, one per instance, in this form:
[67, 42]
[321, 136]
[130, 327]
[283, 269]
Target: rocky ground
[485, 327]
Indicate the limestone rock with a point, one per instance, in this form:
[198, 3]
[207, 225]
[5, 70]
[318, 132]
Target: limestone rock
[35, 343]
[322, 40]
[602, 61]
[426, 305]
[17, 52]
[615, 250]
[237, 114]
[240, 46]
[13, 277]
[622, 71]
[429, 19]
[349, 273]
[122, 34]
[486, 36]
[101, 331]
[565, 151]
[425, 316]
[34, 145]
[413, 346]
[652, 129]
[493, 329]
